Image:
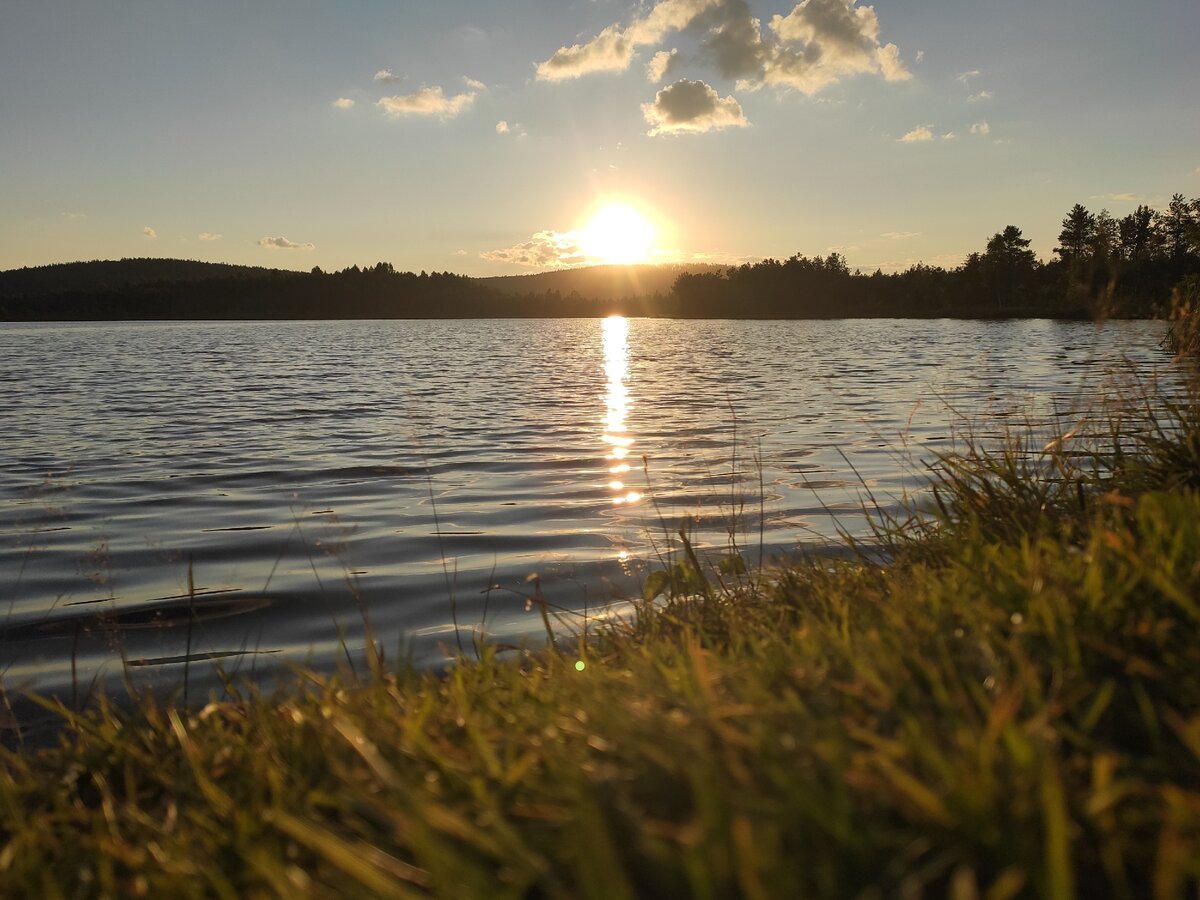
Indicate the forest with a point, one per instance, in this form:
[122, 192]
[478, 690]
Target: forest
[1103, 267]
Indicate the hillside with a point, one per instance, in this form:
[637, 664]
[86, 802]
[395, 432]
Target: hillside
[102, 276]
[599, 282]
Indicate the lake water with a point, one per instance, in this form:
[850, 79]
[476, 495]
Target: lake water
[174, 493]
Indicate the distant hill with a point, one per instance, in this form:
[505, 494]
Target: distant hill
[599, 282]
[103, 276]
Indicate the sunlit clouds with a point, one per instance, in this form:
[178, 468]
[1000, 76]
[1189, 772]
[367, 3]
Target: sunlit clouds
[814, 45]
[918, 135]
[691, 107]
[208, 236]
[282, 243]
[430, 101]
[150, 233]
[616, 232]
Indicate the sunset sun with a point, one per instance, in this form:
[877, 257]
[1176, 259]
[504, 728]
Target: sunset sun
[617, 234]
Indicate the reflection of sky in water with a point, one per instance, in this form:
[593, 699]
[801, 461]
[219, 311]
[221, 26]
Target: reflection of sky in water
[616, 435]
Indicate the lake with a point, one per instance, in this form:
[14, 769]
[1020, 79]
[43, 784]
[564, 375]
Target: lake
[177, 493]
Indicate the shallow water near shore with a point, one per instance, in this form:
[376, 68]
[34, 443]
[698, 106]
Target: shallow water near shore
[178, 494]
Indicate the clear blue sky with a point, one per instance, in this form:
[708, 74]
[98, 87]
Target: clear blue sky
[312, 132]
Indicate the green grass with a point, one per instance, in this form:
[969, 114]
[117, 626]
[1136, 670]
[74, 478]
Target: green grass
[1010, 707]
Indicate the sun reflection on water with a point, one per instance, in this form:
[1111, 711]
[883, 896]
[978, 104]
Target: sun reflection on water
[616, 435]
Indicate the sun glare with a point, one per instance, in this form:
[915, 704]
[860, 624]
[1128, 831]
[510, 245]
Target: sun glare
[618, 234]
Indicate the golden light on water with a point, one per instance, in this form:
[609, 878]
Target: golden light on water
[615, 332]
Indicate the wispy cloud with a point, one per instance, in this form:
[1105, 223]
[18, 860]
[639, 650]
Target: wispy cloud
[983, 129]
[282, 243]
[546, 249]
[918, 135]
[150, 233]
[966, 77]
[74, 215]
[661, 65]
[691, 107]
[502, 127]
[343, 103]
[899, 235]
[386, 76]
[209, 236]
[428, 101]
[980, 97]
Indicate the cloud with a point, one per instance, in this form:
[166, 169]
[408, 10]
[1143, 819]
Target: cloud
[982, 95]
[949, 136]
[810, 48]
[546, 249]
[920, 55]
[428, 101]
[502, 127]
[282, 243]
[474, 85]
[150, 233]
[918, 135]
[981, 128]
[207, 236]
[966, 77]
[386, 76]
[660, 65]
[1124, 197]
[823, 40]
[691, 107]
[74, 215]
[900, 235]
[609, 51]
[343, 103]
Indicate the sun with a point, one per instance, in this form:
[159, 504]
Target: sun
[617, 234]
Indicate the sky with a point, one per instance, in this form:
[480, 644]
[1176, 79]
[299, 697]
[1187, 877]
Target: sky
[481, 136]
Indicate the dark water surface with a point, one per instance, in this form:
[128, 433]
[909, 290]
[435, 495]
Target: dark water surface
[245, 491]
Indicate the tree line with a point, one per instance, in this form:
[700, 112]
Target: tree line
[1103, 266]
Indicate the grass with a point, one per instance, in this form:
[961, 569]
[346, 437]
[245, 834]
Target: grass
[1009, 707]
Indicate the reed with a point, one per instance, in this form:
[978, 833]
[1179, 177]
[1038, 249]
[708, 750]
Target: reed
[1007, 706]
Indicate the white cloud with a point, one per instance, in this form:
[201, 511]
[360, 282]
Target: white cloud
[282, 243]
[502, 127]
[691, 107]
[343, 103]
[981, 96]
[900, 235]
[918, 135]
[660, 65]
[474, 85]
[949, 136]
[460, 252]
[546, 249]
[981, 128]
[920, 55]
[150, 232]
[208, 236]
[386, 76]
[428, 101]
[810, 48]
[966, 77]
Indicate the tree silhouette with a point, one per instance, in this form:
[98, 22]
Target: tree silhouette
[1078, 233]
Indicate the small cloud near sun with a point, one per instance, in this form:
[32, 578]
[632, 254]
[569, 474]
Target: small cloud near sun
[616, 234]
[150, 232]
[282, 243]
[431, 101]
[660, 65]
[691, 107]
[918, 135]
